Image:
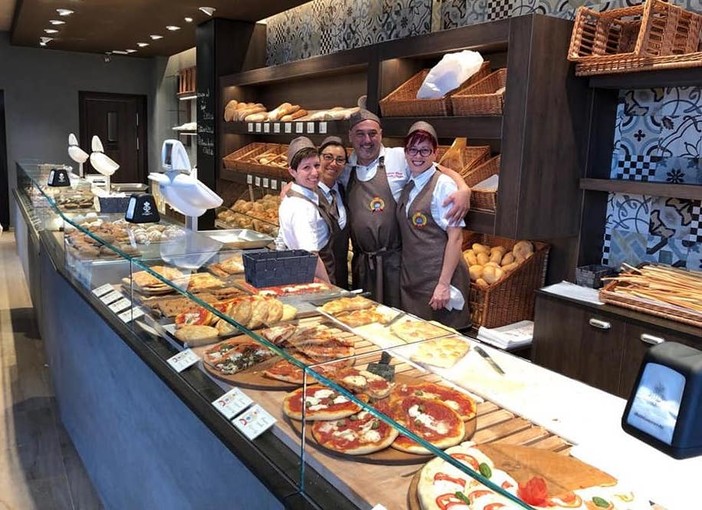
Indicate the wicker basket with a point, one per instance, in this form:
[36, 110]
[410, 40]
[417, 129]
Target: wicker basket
[487, 97]
[403, 102]
[473, 156]
[484, 200]
[618, 65]
[653, 29]
[242, 159]
[512, 298]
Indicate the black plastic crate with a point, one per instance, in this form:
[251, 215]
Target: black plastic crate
[591, 276]
[269, 268]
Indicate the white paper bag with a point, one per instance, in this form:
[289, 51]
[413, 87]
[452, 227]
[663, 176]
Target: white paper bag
[449, 73]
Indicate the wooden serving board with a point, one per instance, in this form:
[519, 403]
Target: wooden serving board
[562, 473]
[252, 377]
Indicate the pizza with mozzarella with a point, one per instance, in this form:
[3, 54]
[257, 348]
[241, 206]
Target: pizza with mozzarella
[359, 434]
[431, 420]
[199, 317]
[363, 381]
[463, 404]
[319, 403]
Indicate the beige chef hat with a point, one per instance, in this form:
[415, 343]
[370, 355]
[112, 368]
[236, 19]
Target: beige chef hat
[330, 140]
[360, 116]
[299, 143]
[424, 126]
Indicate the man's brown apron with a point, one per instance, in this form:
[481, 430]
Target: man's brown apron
[375, 236]
[335, 252]
[423, 245]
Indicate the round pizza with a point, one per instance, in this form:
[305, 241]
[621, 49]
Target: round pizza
[199, 317]
[431, 420]
[359, 434]
[455, 399]
[319, 403]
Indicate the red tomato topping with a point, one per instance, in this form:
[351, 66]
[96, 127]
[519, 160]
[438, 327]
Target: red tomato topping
[446, 501]
[445, 477]
[494, 506]
[468, 459]
[534, 491]
[473, 495]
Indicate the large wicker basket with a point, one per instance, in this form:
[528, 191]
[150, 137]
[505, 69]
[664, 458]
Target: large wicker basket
[243, 160]
[484, 200]
[512, 298]
[485, 97]
[472, 156]
[403, 102]
[653, 29]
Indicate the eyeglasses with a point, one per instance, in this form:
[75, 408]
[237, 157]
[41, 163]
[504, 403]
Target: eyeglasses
[340, 160]
[413, 151]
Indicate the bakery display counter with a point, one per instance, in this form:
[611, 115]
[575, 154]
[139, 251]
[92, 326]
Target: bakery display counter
[304, 396]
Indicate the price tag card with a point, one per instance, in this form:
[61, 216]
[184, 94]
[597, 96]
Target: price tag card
[130, 315]
[257, 180]
[254, 422]
[276, 127]
[111, 297]
[266, 127]
[288, 127]
[310, 128]
[103, 289]
[249, 179]
[232, 403]
[265, 182]
[322, 128]
[274, 184]
[299, 127]
[250, 127]
[183, 360]
[259, 127]
[120, 305]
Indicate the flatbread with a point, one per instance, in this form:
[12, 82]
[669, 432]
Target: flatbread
[347, 305]
[357, 318]
[416, 331]
[441, 352]
[275, 311]
[259, 312]
[195, 335]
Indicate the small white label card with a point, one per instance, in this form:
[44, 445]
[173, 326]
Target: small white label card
[254, 422]
[266, 127]
[322, 128]
[120, 305]
[103, 289]
[110, 297]
[250, 127]
[183, 360]
[299, 127]
[249, 179]
[259, 127]
[257, 180]
[310, 128]
[274, 184]
[131, 314]
[232, 403]
[265, 182]
[288, 127]
[276, 127]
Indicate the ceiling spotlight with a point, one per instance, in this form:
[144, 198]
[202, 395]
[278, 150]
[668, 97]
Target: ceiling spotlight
[64, 12]
[45, 40]
[119, 52]
[188, 19]
[156, 37]
[208, 10]
[142, 44]
[57, 22]
[129, 50]
[51, 31]
[172, 28]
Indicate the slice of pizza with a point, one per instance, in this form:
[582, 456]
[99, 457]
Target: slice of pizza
[359, 434]
[347, 304]
[241, 356]
[362, 381]
[199, 317]
[326, 351]
[279, 335]
[457, 400]
[319, 403]
[431, 420]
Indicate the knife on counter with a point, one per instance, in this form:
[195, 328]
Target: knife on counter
[395, 319]
[489, 359]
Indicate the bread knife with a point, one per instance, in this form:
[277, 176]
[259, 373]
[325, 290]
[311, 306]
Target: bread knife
[489, 359]
[395, 319]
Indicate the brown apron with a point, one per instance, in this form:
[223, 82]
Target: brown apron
[375, 237]
[423, 245]
[335, 252]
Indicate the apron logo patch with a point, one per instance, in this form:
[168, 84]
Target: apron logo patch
[377, 205]
[419, 219]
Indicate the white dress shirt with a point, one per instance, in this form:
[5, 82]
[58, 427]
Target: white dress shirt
[395, 167]
[301, 225]
[339, 202]
[444, 187]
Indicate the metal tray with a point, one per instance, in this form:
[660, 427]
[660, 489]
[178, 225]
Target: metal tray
[239, 238]
[129, 186]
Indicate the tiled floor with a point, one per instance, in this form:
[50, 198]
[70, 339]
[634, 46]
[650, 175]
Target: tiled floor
[39, 467]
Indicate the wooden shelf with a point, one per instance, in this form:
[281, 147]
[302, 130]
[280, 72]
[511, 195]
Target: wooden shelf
[659, 189]
[243, 178]
[481, 221]
[481, 127]
[649, 79]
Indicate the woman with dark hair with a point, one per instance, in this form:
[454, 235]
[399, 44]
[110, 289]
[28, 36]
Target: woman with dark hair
[302, 227]
[332, 156]
[434, 279]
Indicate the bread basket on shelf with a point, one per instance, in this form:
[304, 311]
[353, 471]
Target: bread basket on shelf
[486, 97]
[485, 200]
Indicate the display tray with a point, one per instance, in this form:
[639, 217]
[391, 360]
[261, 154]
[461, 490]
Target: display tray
[239, 238]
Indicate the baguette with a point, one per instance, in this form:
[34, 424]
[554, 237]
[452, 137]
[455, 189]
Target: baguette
[242, 114]
[297, 115]
[256, 117]
[277, 113]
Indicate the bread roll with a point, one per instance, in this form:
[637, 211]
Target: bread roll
[523, 250]
[507, 259]
[492, 274]
[500, 249]
[470, 257]
[481, 248]
[276, 113]
[495, 256]
[476, 272]
[481, 283]
[510, 267]
[483, 258]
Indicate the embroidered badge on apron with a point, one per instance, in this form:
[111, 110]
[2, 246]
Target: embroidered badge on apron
[377, 205]
[419, 219]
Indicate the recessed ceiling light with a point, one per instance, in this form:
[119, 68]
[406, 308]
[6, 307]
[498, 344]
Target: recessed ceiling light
[142, 44]
[129, 50]
[57, 22]
[172, 28]
[42, 43]
[156, 37]
[119, 52]
[46, 39]
[208, 10]
[51, 31]
[64, 12]
[188, 19]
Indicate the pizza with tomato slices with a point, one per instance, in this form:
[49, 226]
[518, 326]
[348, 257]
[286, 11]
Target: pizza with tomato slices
[431, 420]
[319, 403]
[455, 399]
[359, 434]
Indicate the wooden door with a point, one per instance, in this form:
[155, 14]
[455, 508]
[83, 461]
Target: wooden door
[120, 122]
